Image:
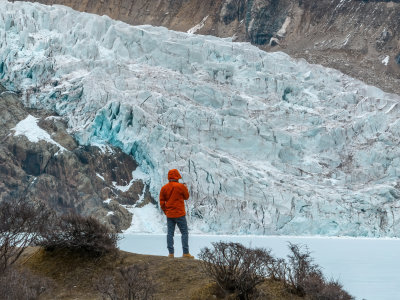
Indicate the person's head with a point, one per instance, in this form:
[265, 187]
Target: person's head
[174, 175]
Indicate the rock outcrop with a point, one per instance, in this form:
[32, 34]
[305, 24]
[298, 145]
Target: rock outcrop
[86, 179]
[359, 38]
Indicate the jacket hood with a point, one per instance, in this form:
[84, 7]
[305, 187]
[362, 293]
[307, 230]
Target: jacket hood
[174, 175]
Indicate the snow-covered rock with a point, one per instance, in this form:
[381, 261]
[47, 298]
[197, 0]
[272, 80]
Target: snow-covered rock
[29, 128]
[266, 143]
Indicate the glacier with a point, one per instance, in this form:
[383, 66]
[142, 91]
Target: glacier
[266, 143]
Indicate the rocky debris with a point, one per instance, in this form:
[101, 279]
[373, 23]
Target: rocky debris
[264, 19]
[274, 42]
[233, 10]
[84, 179]
[352, 36]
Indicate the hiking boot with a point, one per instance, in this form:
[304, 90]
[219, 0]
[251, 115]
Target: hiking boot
[171, 255]
[187, 255]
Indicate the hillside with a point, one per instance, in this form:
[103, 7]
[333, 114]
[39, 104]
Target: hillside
[74, 276]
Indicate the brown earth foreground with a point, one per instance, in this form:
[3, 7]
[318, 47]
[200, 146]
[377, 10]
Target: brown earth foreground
[73, 276]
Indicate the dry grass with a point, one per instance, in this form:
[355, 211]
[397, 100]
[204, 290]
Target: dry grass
[270, 290]
[74, 276]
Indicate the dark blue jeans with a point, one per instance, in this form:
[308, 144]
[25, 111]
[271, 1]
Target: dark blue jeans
[182, 225]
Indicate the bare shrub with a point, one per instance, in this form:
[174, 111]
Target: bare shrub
[136, 282]
[235, 268]
[129, 283]
[300, 267]
[238, 270]
[305, 278]
[331, 290]
[108, 288]
[313, 284]
[79, 233]
[21, 225]
[18, 284]
[278, 269]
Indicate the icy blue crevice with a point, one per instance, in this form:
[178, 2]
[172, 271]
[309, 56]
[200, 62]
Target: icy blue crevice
[2, 69]
[106, 128]
[286, 92]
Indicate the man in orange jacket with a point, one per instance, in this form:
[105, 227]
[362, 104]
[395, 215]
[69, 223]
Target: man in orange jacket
[172, 202]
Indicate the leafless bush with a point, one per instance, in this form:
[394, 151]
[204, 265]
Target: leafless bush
[306, 278]
[17, 284]
[108, 287]
[236, 268]
[313, 284]
[78, 233]
[322, 290]
[130, 283]
[136, 282]
[278, 269]
[300, 267]
[21, 225]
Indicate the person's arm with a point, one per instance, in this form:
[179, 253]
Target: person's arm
[185, 191]
[162, 200]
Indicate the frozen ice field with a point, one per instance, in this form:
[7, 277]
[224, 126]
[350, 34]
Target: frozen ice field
[267, 144]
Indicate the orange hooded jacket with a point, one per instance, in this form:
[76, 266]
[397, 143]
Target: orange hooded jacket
[173, 196]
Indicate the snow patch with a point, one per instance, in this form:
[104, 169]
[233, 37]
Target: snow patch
[52, 118]
[282, 31]
[385, 61]
[146, 219]
[104, 148]
[101, 177]
[341, 3]
[197, 27]
[346, 40]
[123, 188]
[31, 130]
[139, 174]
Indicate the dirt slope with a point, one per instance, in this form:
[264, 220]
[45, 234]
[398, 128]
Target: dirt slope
[73, 276]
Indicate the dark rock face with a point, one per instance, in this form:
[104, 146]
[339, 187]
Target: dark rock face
[264, 19]
[82, 178]
[233, 10]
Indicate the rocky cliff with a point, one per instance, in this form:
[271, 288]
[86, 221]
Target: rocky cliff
[89, 180]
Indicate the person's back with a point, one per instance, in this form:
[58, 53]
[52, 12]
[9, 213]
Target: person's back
[172, 202]
[173, 196]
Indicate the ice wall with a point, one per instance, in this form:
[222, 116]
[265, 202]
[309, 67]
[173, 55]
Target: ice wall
[266, 143]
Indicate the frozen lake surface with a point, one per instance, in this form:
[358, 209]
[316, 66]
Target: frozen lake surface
[367, 268]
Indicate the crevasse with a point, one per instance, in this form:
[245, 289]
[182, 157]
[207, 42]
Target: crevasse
[266, 143]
